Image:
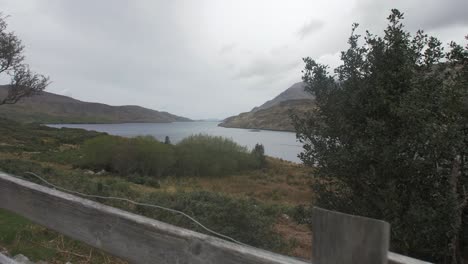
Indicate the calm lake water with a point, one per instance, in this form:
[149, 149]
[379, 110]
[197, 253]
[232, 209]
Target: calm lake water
[277, 144]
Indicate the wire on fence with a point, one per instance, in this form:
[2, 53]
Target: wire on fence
[137, 203]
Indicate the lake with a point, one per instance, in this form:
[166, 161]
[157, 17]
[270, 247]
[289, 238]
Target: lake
[277, 144]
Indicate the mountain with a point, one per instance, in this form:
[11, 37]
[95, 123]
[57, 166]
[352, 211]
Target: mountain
[295, 92]
[275, 114]
[54, 108]
[276, 117]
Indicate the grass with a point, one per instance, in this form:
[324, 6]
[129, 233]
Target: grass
[20, 236]
[258, 184]
[265, 196]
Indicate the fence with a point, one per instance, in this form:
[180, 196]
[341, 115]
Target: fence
[139, 239]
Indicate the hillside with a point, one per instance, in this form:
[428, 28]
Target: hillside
[274, 114]
[277, 117]
[54, 108]
[265, 206]
[295, 92]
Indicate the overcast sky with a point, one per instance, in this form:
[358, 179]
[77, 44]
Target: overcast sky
[201, 59]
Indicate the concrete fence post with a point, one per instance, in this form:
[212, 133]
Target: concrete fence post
[348, 239]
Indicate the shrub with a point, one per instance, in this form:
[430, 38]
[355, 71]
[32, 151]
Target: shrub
[144, 156]
[198, 155]
[259, 153]
[242, 219]
[99, 151]
[212, 156]
[141, 155]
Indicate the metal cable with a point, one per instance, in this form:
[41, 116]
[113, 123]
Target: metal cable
[137, 203]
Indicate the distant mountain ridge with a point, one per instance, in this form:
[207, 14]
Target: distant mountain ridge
[275, 114]
[53, 108]
[295, 92]
[276, 117]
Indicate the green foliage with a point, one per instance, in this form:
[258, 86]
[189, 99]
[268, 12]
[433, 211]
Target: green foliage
[259, 153]
[212, 156]
[246, 220]
[14, 227]
[99, 152]
[145, 180]
[134, 157]
[301, 214]
[18, 137]
[243, 219]
[389, 138]
[66, 156]
[141, 155]
[198, 155]
[21, 236]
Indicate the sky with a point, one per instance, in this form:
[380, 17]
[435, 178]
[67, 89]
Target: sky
[201, 58]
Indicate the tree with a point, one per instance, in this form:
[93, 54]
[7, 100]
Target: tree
[24, 82]
[167, 140]
[389, 138]
[259, 154]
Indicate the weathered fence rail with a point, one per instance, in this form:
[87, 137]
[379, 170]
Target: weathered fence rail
[132, 237]
[6, 260]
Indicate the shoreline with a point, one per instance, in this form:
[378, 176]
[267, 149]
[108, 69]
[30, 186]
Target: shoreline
[266, 129]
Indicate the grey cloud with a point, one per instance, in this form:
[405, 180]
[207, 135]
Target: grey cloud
[227, 48]
[266, 67]
[163, 54]
[419, 14]
[447, 14]
[309, 28]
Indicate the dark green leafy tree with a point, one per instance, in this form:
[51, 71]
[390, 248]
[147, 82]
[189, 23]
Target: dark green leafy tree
[23, 81]
[259, 153]
[389, 138]
[167, 140]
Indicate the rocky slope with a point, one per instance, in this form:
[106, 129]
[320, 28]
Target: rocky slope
[276, 117]
[295, 92]
[54, 108]
[275, 114]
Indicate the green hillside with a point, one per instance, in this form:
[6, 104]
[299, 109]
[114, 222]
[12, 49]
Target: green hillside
[54, 108]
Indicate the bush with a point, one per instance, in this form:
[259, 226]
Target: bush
[212, 156]
[144, 156]
[141, 155]
[98, 152]
[259, 153]
[242, 219]
[198, 155]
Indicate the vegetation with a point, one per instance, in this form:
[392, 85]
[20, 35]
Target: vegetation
[389, 138]
[244, 219]
[259, 153]
[21, 236]
[199, 155]
[141, 155]
[248, 221]
[247, 205]
[24, 82]
[212, 156]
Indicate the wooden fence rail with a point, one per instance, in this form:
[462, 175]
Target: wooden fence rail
[132, 237]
